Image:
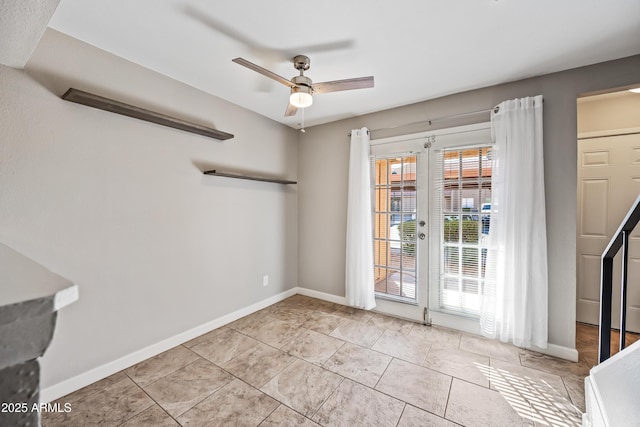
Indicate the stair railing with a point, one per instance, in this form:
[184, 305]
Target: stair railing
[619, 241]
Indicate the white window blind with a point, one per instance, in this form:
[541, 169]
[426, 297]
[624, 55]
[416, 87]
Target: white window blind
[461, 205]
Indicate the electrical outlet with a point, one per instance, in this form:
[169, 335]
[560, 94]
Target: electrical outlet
[265, 280]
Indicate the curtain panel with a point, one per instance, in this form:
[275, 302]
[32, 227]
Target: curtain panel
[514, 302]
[359, 280]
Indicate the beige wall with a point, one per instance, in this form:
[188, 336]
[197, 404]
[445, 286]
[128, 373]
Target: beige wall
[323, 164]
[618, 110]
[121, 207]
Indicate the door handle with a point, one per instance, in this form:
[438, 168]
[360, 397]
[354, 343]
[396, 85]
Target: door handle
[422, 236]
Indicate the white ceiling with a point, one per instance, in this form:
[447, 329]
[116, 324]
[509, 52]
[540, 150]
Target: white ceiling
[22, 23]
[416, 49]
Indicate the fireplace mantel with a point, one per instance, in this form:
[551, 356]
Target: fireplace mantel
[30, 297]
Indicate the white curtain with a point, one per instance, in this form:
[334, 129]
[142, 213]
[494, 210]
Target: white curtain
[359, 264]
[514, 304]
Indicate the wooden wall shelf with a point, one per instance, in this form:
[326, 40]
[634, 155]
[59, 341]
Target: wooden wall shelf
[96, 101]
[249, 177]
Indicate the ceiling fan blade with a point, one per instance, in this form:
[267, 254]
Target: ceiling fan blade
[317, 48]
[264, 72]
[291, 110]
[346, 84]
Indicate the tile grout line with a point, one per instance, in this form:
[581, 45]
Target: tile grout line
[179, 345]
[388, 364]
[146, 394]
[333, 354]
[446, 406]
[404, 408]
[571, 399]
[98, 390]
[424, 359]
[196, 404]
[156, 404]
[334, 391]
[235, 377]
[270, 413]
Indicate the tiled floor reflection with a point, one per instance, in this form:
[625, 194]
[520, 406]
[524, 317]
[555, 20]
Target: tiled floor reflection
[306, 362]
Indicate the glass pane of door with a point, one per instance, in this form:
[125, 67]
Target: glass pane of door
[395, 238]
[463, 181]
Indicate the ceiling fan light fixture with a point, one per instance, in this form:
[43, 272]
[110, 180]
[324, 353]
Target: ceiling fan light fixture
[301, 97]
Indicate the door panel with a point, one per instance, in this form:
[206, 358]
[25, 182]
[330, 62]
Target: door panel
[608, 183]
[398, 248]
[595, 195]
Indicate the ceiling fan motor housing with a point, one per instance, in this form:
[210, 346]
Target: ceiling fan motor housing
[301, 81]
[301, 62]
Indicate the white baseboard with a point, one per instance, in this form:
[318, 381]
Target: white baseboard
[63, 388]
[322, 295]
[570, 354]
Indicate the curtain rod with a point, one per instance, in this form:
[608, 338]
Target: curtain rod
[494, 109]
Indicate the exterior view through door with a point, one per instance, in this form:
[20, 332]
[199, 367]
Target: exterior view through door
[461, 218]
[431, 197]
[395, 245]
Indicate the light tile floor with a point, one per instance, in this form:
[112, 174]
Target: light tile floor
[306, 362]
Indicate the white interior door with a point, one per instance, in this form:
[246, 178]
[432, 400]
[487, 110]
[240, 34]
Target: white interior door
[608, 183]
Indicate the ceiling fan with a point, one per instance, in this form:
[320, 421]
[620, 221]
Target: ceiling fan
[302, 88]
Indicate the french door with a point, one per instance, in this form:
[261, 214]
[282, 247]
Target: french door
[431, 215]
[460, 225]
[400, 231]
